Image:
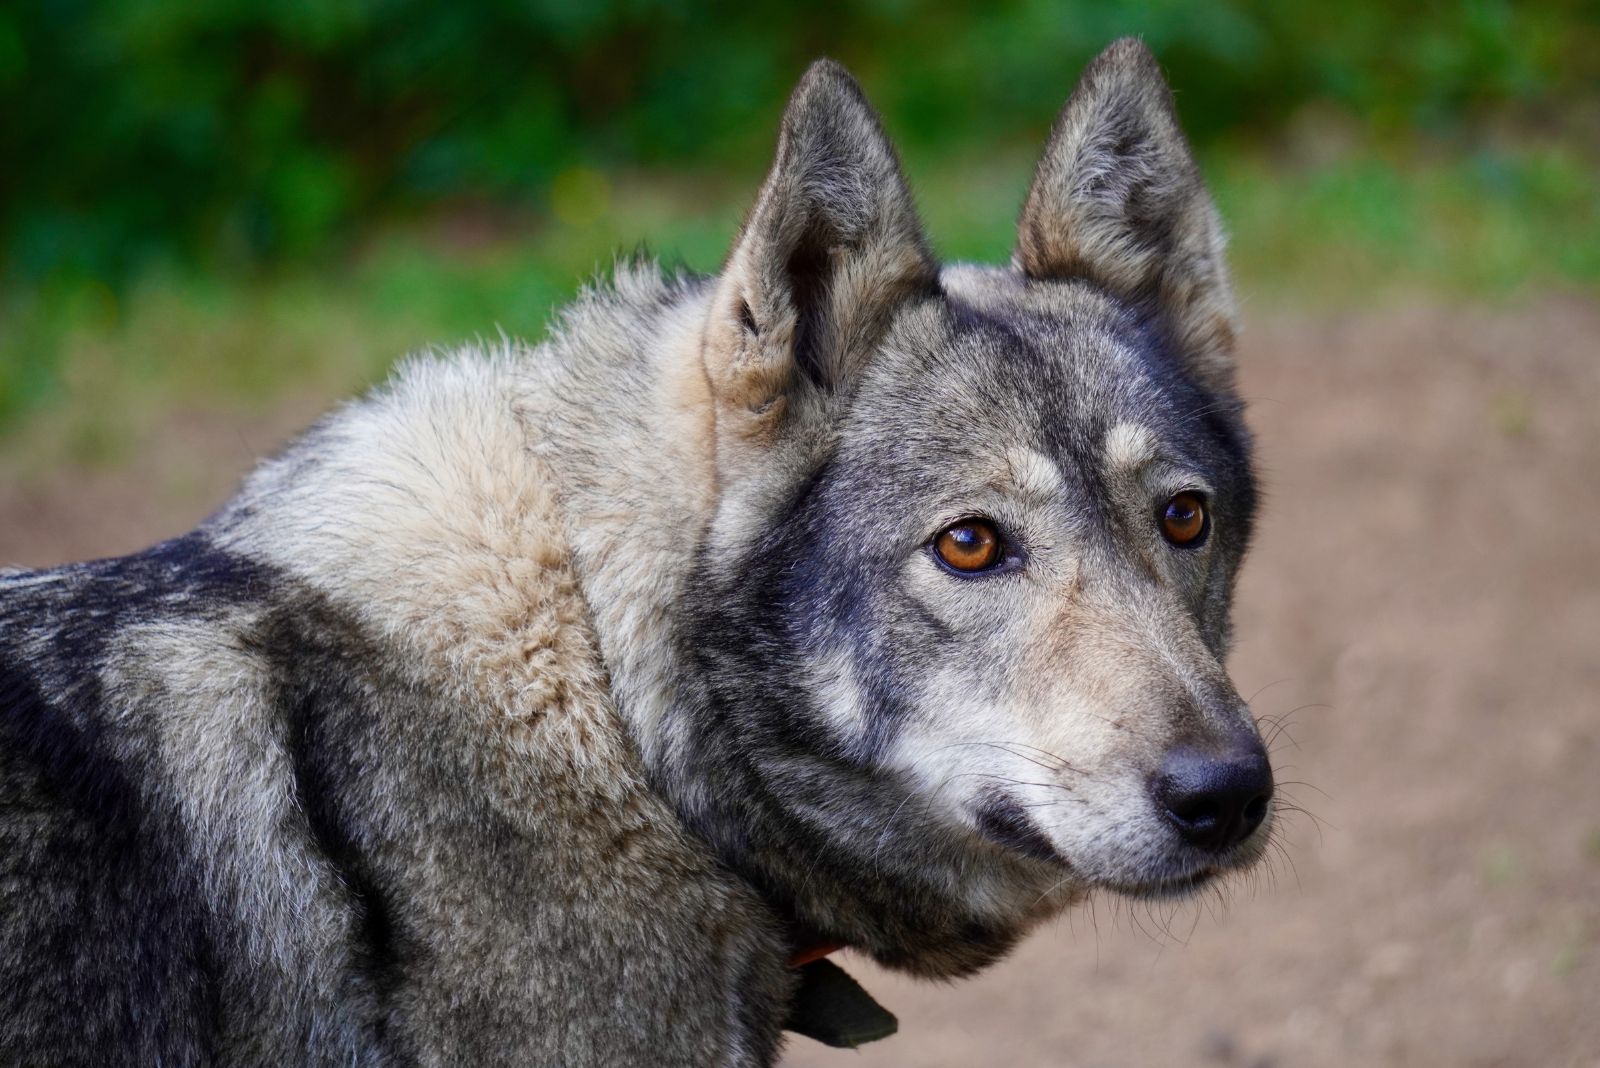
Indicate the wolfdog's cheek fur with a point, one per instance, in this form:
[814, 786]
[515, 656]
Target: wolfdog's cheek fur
[539, 707]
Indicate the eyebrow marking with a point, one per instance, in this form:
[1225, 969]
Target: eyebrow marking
[1128, 445]
[1033, 474]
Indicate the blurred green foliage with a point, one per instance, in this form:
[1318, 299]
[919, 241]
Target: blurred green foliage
[239, 197]
[237, 130]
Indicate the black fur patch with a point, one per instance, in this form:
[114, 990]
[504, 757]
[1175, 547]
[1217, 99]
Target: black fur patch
[106, 948]
[1004, 822]
[319, 763]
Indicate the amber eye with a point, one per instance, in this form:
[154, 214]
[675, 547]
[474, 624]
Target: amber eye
[1183, 520]
[970, 545]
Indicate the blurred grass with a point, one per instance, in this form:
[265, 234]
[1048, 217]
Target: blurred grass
[229, 203]
[85, 368]
[242, 131]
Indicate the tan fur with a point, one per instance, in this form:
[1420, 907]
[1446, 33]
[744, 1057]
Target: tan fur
[450, 544]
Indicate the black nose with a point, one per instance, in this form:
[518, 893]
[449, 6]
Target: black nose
[1214, 801]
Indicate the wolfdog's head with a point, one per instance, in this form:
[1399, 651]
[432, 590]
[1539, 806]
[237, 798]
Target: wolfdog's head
[963, 606]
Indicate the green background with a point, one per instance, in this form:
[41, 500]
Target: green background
[221, 201]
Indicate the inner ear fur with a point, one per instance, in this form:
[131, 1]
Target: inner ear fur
[831, 248]
[1118, 200]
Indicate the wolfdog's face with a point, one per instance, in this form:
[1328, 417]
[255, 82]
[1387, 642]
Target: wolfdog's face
[964, 604]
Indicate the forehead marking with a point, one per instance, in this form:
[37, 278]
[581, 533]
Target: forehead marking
[1128, 445]
[1031, 473]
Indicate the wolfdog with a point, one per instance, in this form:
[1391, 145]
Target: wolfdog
[556, 705]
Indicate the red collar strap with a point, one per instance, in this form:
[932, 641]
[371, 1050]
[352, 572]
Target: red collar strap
[804, 955]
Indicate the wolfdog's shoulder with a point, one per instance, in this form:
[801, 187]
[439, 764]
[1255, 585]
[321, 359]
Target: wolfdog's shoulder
[269, 767]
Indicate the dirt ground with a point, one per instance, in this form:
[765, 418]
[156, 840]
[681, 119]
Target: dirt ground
[1422, 609]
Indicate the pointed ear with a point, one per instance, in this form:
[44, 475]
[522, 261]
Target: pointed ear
[1118, 200]
[830, 249]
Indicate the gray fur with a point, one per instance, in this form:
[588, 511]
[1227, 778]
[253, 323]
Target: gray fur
[1118, 200]
[534, 709]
